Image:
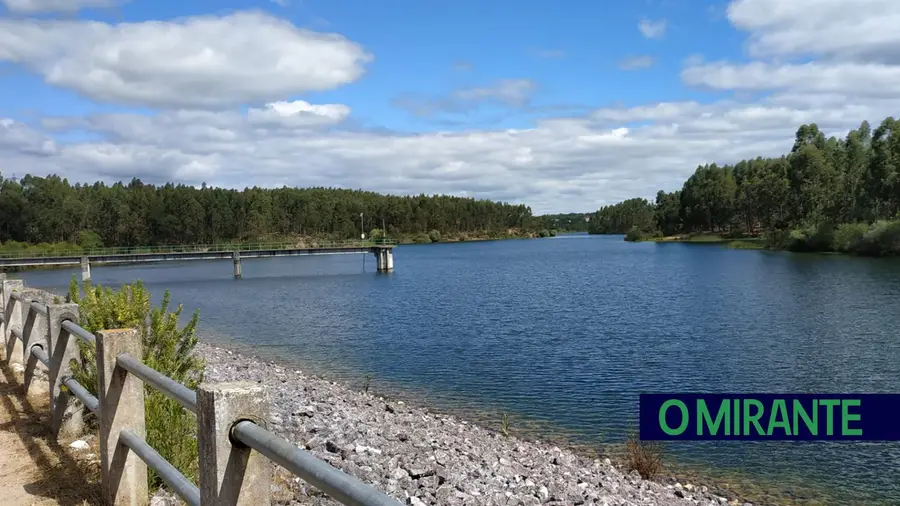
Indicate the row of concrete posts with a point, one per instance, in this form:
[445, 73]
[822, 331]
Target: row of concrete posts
[228, 473]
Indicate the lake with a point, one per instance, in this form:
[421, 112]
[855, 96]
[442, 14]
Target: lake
[563, 333]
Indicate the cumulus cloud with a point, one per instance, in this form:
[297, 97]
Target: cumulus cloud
[205, 61]
[556, 164]
[38, 6]
[652, 29]
[863, 29]
[637, 62]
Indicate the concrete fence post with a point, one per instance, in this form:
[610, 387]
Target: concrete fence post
[13, 319]
[34, 332]
[121, 398]
[230, 473]
[66, 417]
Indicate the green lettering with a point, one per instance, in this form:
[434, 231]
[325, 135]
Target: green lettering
[846, 417]
[829, 417]
[812, 425]
[737, 417]
[779, 418]
[753, 418]
[684, 417]
[703, 417]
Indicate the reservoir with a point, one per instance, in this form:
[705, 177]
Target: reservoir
[564, 333]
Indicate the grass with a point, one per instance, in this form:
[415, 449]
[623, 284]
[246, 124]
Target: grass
[642, 456]
[504, 425]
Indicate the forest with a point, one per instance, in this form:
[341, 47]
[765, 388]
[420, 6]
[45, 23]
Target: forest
[50, 210]
[827, 194]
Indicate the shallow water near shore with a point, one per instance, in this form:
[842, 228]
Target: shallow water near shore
[564, 333]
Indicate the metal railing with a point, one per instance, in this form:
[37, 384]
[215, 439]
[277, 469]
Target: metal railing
[35, 252]
[42, 332]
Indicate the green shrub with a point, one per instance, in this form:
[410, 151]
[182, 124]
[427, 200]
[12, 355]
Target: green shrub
[634, 235]
[88, 239]
[848, 237]
[435, 235]
[168, 348]
[882, 239]
[544, 233]
[422, 238]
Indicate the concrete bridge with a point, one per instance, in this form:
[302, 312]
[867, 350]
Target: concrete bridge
[383, 249]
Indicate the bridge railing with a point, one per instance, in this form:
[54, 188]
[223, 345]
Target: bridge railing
[236, 450]
[35, 252]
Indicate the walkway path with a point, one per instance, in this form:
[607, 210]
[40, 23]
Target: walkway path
[34, 469]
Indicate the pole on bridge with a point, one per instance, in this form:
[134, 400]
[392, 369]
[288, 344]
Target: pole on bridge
[237, 264]
[85, 269]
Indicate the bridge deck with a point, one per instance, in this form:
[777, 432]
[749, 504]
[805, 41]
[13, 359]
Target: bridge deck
[113, 257]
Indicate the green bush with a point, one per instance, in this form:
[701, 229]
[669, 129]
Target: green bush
[168, 348]
[882, 239]
[634, 235]
[89, 239]
[435, 235]
[422, 238]
[848, 237]
[544, 233]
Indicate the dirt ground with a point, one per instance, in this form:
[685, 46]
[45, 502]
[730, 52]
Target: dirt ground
[34, 468]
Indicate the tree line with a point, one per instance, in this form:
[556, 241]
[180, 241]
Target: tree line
[50, 210]
[826, 194]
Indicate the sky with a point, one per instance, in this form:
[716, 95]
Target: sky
[564, 106]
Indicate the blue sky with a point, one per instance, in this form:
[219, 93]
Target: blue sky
[604, 100]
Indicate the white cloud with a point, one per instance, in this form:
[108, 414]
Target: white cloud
[202, 61]
[637, 62]
[652, 29]
[862, 29]
[37, 6]
[298, 114]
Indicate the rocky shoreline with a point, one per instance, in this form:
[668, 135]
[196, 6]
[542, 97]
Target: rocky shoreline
[421, 458]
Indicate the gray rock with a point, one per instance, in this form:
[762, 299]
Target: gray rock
[420, 458]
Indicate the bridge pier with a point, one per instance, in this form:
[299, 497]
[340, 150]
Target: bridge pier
[236, 256]
[85, 269]
[384, 258]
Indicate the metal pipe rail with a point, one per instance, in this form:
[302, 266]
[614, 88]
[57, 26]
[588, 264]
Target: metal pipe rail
[41, 355]
[180, 485]
[334, 482]
[89, 401]
[75, 330]
[40, 308]
[184, 395]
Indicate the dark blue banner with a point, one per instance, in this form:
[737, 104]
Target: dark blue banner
[832, 417]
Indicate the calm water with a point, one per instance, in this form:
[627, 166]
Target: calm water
[565, 332]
